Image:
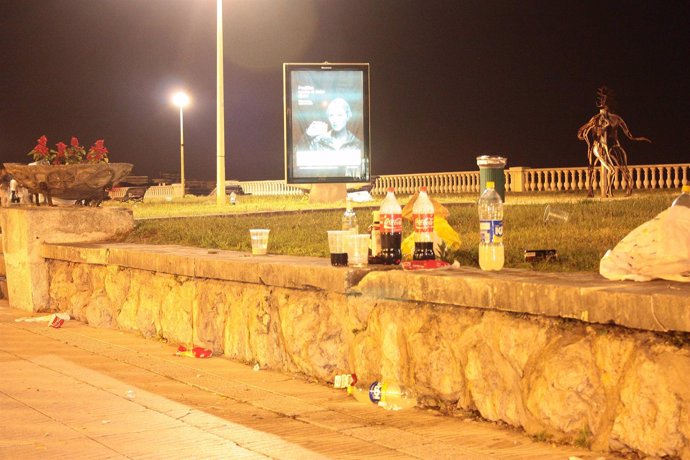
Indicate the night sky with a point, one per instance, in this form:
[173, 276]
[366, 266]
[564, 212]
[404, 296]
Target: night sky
[450, 80]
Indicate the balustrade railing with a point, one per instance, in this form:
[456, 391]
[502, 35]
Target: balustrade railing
[523, 179]
[270, 188]
[518, 179]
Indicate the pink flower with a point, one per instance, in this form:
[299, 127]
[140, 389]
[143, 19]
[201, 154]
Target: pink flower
[74, 142]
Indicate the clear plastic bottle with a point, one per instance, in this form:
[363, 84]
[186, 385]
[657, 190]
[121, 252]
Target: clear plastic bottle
[390, 215]
[389, 395]
[491, 254]
[684, 197]
[423, 216]
[350, 219]
[375, 237]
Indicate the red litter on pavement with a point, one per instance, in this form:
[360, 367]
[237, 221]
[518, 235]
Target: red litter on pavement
[56, 322]
[196, 352]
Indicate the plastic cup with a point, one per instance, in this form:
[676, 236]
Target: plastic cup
[357, 249]
[555, 215]
[259, 237]
[337, 245]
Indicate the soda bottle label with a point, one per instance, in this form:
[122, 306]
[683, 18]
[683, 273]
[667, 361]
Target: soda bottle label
[391, 223]
[491, 231]
[424, 223]
[375, 392]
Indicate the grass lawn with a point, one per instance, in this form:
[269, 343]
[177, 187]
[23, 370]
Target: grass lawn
[299, 227]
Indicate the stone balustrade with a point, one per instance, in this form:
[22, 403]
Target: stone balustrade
[270, 188]
[163, 192]
[518, 179]
[524, 179]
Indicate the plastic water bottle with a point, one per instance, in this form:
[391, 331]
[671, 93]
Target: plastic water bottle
[684, 197]
[423, 216]
[390, 215]
[375, 238]
[350, 219]
[389, 395]
[491, 256]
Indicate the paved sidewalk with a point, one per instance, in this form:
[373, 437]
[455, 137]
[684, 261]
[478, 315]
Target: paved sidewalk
[80, 392]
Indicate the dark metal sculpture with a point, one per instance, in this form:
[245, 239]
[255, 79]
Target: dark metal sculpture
[603, 146]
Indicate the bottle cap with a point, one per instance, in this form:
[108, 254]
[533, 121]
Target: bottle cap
[391, 189]
[490, 184]
[686, 188]
[377, 215]
[422, 189]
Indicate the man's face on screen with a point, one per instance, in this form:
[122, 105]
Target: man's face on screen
[337, 117]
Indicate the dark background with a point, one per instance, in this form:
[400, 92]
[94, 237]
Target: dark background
[450, 80]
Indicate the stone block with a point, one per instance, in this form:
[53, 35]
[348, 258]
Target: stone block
[26, 228]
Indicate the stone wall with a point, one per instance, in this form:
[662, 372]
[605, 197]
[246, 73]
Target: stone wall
[503, 345]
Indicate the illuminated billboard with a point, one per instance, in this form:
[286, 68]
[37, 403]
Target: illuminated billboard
[326, 123]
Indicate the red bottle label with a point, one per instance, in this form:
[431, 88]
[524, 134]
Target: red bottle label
[391, 223]
[423, 223]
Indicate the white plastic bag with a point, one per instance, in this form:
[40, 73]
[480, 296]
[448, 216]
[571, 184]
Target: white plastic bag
[659, 248]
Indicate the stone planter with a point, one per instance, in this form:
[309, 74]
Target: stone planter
[85, 183]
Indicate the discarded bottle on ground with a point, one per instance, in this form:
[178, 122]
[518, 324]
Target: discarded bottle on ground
[350, 219]
[390, 216]
[389, 395]
[491, 255]
[423, 216]
[684, 197]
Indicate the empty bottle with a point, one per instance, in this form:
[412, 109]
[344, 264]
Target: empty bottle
[389, 395]
[423, 216]
[349, 219]
[491, 255]
[390, 216]
[684, 197]
[375, 239]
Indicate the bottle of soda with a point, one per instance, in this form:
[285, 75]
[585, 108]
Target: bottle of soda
[349, 219]
[375, 238]
[684, 197]
[423, 216]
[390, 215]
[491, 256]
[389, 395]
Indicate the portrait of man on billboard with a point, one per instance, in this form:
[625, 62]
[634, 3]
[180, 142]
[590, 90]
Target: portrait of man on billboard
[326, 123]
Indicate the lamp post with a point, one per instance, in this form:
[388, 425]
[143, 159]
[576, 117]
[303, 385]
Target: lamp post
[220, 111]
[180, 99]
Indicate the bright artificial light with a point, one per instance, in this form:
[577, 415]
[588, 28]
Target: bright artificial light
[180, 99]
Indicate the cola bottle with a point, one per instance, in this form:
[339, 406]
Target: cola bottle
[390, 215]
[423, 216]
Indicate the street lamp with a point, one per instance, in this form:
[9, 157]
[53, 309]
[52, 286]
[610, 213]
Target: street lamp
[181, 100]
[220, 111]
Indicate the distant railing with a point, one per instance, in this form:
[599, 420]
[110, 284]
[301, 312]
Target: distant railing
[163, 192]
[518, 179]
[523, 179]
[270, 188]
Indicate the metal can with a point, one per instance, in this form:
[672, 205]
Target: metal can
[540, 255]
